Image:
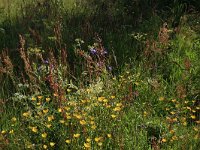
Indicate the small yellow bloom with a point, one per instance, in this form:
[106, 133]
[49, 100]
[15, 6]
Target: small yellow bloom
[69, 90]
[172, 131]
[33, 98]
[97, 139]
[40, 97]
[117, 109]
[52, 144]
[11, 131]
[174, 137]
[44, 135]
[145, 113]
[109, 135]
[38, 103]
[105, 100]
[87, 145]
[100, 99]
[3, 131]
[185, 123]
[92, 122]
[45, 146]
[48, 99]
[62, 121]
[119, 104]
[197, 108]
[55, 94]
[173, 100]
[77, 135]
[88, 140]
[82, 122]
[34, 129]
[193, 116]
[94, 127]
[45, 111]
[195, 129]
[167, 109]
[69, 117]
[14, 119]
[67, 141]
[172, 112]
[100, 143]
[137, 83]
[48, 125]
[161, 98]
[26, 114]
[50, 118]
[59, 110]
[112, 97]
[164, 140]
[113, 116]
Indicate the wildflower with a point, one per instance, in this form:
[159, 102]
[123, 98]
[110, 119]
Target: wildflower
[174, 137]
[40, 97]
[172, 131]
[112, 97]
[193, 116]
[109, 135]
[50, 118]
[88, 140]
[11, 131]
[44, 135]
[67, 108]
[77, 135]
[164, 140]
[172, 112]
[184, 123]
[14, 119]
[33, 98]
[62, 121]
[195, 129]
[197, 108]
[26, 114]
[48, 125]
[55, 94]
[166, 109]
[100, 143]
[188, 108]
[52, 144]
[59, 110]
[3, 131]
[45, 146]
[113, 116]
[100, 99]
[87, 145]
[34, 129]
[161, 98]
[82, 122]
[45, 111]
[69, 90]
[39, 103]
[105, 100]
[92, 122]
[137, 83]
[119, 104]
[48, 99]
[173, 100]
[117, 109]
[67, 141]
[69, 117]
[97, 139]
[93, 51]
[145, 113]
[94, 127]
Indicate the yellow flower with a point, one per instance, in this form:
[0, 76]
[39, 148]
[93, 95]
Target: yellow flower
[69, 90]
[11, 131]
[3, 131]
[173, 100]
[193, 116]
[92, 122]
[26, 114]
[88, 140]
[77, 135]
[100, 143]
[50, 118]
[105, 100]
[45, 111]
[184, 123]
[45, 146]
[100, 99]
[67, 108]
[112, 97]
[34, 129]
[62, 121]
[94, 127]
[136, 83]
[164, 140]
[68, 141]
[82, 122]
[69, 117]
[109, 135]
[172, 112]
[48, 99]
[59, 110]
[87, 145]
[172, 131]
[14, 119]
[44, 135]
[52, 144]
[48, 125]
[33, 98]
[195, 129]
[197, 108]
[38, 103]
[174, 137]
[97, 139]
[188, 108]
[113, 116]
[145, 113]
[117, 109]
[40, 97]
[161, 98]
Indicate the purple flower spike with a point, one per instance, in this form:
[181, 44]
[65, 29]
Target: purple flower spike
[46, 62]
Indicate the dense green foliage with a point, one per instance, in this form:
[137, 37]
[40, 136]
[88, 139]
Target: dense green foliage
[99, 74]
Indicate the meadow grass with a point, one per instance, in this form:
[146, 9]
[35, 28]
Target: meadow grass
[122, 89]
